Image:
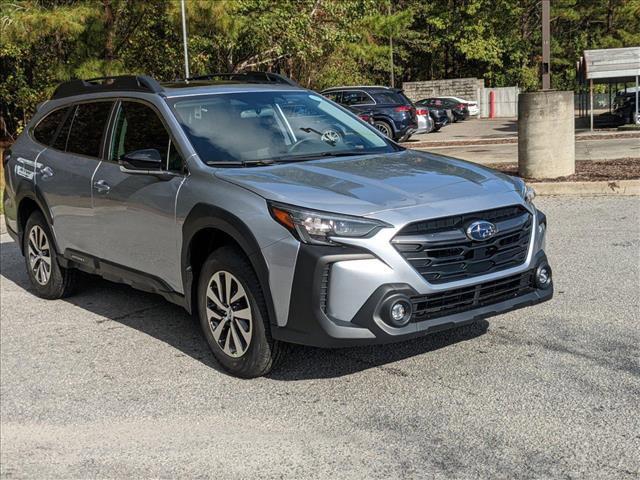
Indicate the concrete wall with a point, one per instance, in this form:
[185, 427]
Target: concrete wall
[506, 102]
[467, 88]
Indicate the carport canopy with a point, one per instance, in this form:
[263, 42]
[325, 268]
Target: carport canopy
[610, 64]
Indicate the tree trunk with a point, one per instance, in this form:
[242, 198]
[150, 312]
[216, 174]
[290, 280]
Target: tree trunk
[109, 26]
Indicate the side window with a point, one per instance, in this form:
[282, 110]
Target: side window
[355, 98]
[45, 130]
[138, 127]
[60, 142]
[334, 96]
[87, 127]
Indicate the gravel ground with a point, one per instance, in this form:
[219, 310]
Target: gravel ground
[586, 171]
[114, 383]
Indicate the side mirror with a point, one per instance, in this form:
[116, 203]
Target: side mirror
[146, 160]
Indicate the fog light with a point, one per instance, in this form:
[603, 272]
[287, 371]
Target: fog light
[543, 276]
[398, 311]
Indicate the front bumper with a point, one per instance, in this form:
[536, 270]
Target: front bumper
[311, 320]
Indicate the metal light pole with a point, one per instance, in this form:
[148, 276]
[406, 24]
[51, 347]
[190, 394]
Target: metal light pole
[184, 40]
[546, 45]
[391, 53]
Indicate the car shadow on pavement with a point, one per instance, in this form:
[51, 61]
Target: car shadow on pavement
[153, 316]
[510, 126]
[305, 363]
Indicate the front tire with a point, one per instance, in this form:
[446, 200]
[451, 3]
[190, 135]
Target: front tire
[233, 315]
[48, 279]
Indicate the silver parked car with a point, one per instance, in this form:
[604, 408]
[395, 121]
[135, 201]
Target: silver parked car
[268, 211]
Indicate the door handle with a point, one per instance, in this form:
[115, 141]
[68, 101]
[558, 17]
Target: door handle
[46, 172]
[101, 186]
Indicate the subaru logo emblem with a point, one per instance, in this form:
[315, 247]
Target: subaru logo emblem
[481, 230]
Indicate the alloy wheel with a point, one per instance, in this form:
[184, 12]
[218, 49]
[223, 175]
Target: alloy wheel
[39, 254]
[382, 128]
[229, 314]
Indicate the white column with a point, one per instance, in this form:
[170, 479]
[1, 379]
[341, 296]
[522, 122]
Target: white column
[591, 103]
[636, 98]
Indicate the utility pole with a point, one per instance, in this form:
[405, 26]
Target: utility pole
[391, 53]
[184, 40]
[546, 45]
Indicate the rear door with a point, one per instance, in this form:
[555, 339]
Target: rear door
[358, 100]
[63, 173]
[136, 211]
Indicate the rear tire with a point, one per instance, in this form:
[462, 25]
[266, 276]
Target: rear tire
[233, 315]
[48, 279]
[384, 128]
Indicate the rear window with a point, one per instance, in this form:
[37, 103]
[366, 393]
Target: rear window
[391, 98]
[46, 129]
[87, 127]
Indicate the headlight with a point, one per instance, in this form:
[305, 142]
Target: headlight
[311, 226]
[527, 192]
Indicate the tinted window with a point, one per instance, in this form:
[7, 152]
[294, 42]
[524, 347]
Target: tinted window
[355, 98]
[334, 96]
[138, 127]
[60, 141]
[392, 98]
[434, 102]
[46, 129]
[87, 127]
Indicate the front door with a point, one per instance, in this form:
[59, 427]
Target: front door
[136, 212]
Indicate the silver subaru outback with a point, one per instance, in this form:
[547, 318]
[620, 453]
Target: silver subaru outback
[268, 211]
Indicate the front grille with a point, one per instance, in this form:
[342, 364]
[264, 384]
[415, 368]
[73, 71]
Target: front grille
[441, 252]
[426, 307]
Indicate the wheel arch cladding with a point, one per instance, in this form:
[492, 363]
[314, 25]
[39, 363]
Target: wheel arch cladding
[207, 228]
[29, 202]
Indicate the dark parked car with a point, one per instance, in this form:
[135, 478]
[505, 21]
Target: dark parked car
[366, 116]
[626, 108]
[439, 117]
[459, 110]
[393, 113]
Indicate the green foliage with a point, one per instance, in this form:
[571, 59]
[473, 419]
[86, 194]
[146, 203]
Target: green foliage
[319, 43]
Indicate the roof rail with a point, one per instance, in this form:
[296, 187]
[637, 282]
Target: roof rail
[135, 83]
[249, 77]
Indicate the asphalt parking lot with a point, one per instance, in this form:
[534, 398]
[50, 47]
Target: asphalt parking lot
[113, 383]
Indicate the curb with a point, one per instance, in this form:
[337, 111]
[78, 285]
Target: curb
[479, 141]
[611, 188]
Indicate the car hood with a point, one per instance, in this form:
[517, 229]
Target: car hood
[364, 185]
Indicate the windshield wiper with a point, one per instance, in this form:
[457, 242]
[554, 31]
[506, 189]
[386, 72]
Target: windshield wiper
[242, 163]
[312, 156]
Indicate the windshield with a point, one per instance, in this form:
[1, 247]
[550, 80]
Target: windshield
[273, 126]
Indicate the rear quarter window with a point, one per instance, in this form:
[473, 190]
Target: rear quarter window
[390, 98]
[46, 129]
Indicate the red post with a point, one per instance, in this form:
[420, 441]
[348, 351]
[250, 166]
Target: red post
[492, 104]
